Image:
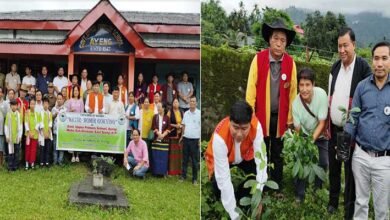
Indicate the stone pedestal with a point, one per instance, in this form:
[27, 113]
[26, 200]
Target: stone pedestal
[109, 196]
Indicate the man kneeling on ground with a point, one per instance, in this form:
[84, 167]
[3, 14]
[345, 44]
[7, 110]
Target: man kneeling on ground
[235, 142]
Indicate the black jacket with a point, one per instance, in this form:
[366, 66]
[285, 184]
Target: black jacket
[361, 70]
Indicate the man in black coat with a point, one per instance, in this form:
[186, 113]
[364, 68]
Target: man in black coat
[344, 77]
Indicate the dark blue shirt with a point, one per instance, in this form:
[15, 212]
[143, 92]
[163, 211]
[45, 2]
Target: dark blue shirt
[372, 124]
[42, 83]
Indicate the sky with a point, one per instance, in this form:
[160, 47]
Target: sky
[338, 6]
[184, 6]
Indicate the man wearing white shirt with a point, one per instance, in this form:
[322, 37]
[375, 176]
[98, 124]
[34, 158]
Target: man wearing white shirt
[191, 136]
[235, 142]
[116, 106]
[344, 77]
[84, 80]
[107, 96]
[60, 80]
[28, 80]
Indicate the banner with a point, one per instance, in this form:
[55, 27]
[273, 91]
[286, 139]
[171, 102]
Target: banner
[91, 133]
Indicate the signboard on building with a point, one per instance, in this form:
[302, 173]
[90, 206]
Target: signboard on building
[91, 133]
[103, 37]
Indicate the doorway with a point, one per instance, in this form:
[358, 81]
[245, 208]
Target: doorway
[111, 66]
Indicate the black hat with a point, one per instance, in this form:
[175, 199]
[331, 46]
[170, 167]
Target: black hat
[278, 24]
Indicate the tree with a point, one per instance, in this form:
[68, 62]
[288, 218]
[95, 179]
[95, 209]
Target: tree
[238, 19]
[214, 22]
[234, 39]
[255, 15]
[209, 36]
[321, 32]
[269, 16]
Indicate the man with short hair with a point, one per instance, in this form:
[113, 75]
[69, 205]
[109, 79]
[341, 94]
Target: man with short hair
[235, 142]
[60, 80]
[107, 96]
[116, 107]
[99, 78]
[370, 129]
[12, 80]
[310, 111]
[185, 90]
[43, 80]
[83, 81]
[344, 77]
[94, 103]
[28, 79]
[58, 156]
[271, 89]
[51, 96]
[191, 136]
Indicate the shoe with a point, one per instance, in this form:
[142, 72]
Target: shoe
[77, 159]
[47, 164]
[73, 159]
[26, 168]
[181, 179]
[331, 209]
[195, 183]
[32, 167]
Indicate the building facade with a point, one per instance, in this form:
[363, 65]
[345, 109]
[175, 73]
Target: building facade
[103, 38]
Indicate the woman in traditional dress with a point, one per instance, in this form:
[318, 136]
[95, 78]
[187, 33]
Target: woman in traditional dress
[160, 145]
[140, 89]
[175, 148]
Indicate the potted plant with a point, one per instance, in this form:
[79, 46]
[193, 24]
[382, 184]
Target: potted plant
[97, 176]
[102, 166]
[105, 164]
[343, 146]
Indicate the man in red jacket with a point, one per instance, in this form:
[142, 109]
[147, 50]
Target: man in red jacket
[271, 89]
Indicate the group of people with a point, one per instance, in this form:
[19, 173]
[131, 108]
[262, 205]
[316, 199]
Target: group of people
[163, 119]
[164, 115]
[273, 106]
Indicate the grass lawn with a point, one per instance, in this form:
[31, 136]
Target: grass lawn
[43, 194]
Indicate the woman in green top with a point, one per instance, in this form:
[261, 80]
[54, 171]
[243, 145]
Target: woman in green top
[31, 124]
